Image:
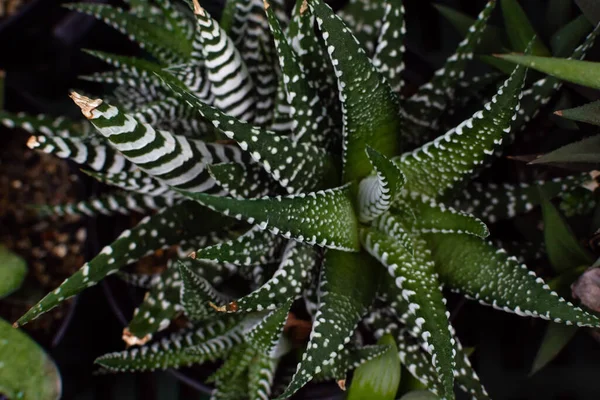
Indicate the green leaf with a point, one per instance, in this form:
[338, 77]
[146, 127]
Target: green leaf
[324, 218]
[492, 38]
[346, 293]
[453, 158]
[419, 395]
[12, 272]
[378, 379]
[417, 283]
[390, 45]
[519, 29]
[244, 181]
[369, 107]
[482, 272]
[209, 342]
[590, 10]
[151, 233]
[45, 125]
[26, 371]
[376, 193]
[586, 151]
[197, 294]
[555, 339]
[584, 73]
[363, 18]
[265, 336]
[589, 113]
[566, 39]
[564, 250]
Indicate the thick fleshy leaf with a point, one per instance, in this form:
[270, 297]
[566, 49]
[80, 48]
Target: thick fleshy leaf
[97, 155]
[369, 107]
[349, 359]
[424, 108]
[346, 293]
[197, 294]
[296, 166]
[172, 159]
[492, 202]
[293, 275]
[324, 218]
[448, 161]
[584, 73]
[585, 151]
[556, 337]
[519, 29]
[27, 371]
[253, 247]
[124, 203]
[589, 113]
[12, 273]
[150, 234]
[569, 36]
[153, 38]
[364, 18]
[261, 377]
[45, 125]
[231, 84]
[244, 181]
[264, 337]
[210, 342]
[563, 248]
[376, 193]
[390, 45]
[415, 277]
[480, 271]
[378, 378]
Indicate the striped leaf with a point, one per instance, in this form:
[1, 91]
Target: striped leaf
[45, 125]
[244, 181]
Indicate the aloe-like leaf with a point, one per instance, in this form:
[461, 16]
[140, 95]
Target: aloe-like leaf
[519, 29]
[135, 181]
[325, 218]
[253, 247]
[296, 166]
[366, 98]
[584, 73]
[194, 77]
[419, 395]
[197, 294]
[150, 234]
[452, 158]
[309, 114]
[376, 193]
[492, 202]
[378, 378]
[567, 38]
[492, 37]
[414, 275]
[563, 248]
[210, 342]
[590, 10]
[261, 377]
[20, 353]
[264, 337]
[580, 201]
[350, 359]
[124, 203]
[589, 113]
[45, 125]
[172, 159]
[236, 364]
[12, 274]
[556, 337]
[289, 280]
[244, 181]
[480, 271]
[235, 388]
[390, 45]
[97, 155]
[585, 151]
[424, 108]
[231, 84]
[438, 218]
[163, 300]
[345, 296]
[153, 38]
[364, 20]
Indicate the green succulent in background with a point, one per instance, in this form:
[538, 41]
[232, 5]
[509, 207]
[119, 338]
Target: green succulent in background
[284, 151]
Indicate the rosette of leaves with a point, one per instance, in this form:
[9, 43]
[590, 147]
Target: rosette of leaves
[283, 150]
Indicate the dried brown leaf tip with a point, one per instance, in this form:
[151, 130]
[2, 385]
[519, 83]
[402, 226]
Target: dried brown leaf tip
[131, 340]
[192, 255]
[303, 7]
[342, 384]
[32, 142]
[198, 10]
[86, 104]
[218, 308]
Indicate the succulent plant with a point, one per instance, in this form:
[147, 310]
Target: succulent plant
[283, 150]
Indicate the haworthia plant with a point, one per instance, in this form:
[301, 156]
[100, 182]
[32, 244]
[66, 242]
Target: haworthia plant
[275, 150]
